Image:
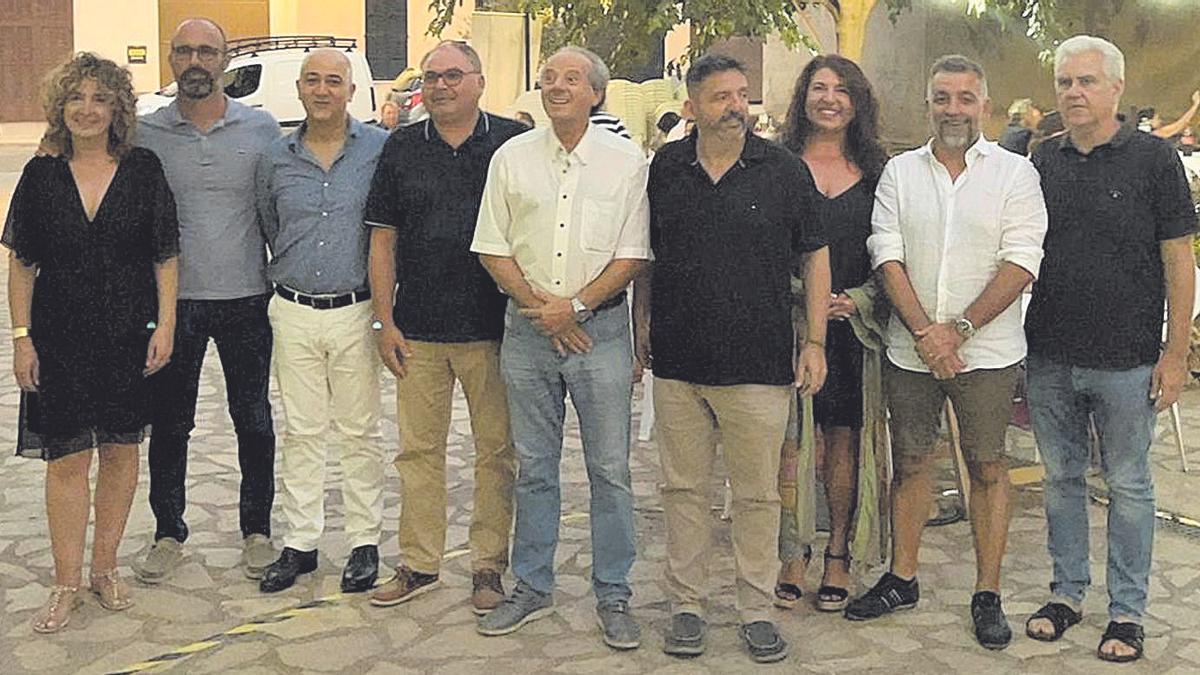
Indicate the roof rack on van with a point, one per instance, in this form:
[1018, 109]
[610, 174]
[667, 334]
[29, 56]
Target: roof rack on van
[252, 45]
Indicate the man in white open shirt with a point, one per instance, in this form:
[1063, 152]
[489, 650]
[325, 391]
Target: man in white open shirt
[563, 228]
[957, 234]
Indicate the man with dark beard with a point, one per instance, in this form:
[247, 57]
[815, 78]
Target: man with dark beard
[209, 146]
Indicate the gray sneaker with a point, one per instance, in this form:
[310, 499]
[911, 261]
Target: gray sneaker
[686, 636]
[164, 556]
[519, 608]
[257, 555]
[764, 642]
[619, 628]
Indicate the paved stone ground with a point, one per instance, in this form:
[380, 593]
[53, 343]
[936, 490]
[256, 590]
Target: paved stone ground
[435, 633]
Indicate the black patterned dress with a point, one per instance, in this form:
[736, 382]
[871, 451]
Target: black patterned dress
[95, 299]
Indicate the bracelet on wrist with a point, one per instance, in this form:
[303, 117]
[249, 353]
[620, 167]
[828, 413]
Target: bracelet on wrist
[810, 341]
[19, 332]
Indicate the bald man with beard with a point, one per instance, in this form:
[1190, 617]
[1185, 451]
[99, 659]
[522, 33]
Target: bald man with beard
[209, 145]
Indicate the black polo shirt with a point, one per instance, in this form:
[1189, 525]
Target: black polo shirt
[430, 193]
[723, 257]
[1098, 302]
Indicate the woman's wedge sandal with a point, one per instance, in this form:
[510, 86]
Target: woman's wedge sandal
[787, 595]
[834, 598]
[1059, 615]
[1129, 634]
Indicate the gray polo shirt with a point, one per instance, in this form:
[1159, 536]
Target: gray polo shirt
[222, 251]
[313, 218]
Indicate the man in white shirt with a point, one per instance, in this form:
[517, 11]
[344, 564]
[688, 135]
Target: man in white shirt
[563, 227]
[957, 234]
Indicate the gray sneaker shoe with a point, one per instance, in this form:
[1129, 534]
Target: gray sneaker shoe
[619, 628]
[519, 608]
[686, 635]
[257, 554]
[764, 642]
[163, 557]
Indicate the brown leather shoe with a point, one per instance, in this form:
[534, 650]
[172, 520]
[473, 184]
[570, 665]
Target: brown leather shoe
[402, 587]
[487, 592]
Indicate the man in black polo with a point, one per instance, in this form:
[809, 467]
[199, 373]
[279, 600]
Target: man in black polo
[730, 216]
[439, 317]
[1119, 241]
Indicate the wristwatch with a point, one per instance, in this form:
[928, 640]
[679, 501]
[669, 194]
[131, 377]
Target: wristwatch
[582, 313]
[964, 328]
[376, 325]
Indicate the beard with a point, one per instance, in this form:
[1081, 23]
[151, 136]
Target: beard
[196, 83]
[957, 137]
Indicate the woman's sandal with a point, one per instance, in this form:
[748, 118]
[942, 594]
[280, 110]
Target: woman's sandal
[56, 613]
[1059, 615]
[787, 595]
[1127, 633]
[834, 598]
[112, 593]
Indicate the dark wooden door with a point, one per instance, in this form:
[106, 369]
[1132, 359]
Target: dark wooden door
[35, 36]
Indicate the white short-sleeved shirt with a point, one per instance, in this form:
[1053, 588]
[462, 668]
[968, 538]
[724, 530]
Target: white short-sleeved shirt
[565, 216]
[952, 237]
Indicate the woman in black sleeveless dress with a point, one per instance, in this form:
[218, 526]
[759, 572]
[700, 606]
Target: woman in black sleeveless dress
[832, 126]
[92, 278]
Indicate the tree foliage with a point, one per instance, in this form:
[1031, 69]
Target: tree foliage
[624, 32]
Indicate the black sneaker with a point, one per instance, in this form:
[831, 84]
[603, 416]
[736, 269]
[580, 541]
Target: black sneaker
[890, 594]
[991, 628]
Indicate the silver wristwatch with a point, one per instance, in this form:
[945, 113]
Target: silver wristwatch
[964, 328]
[582, 313]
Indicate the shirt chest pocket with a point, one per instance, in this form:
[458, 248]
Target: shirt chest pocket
[600, 226]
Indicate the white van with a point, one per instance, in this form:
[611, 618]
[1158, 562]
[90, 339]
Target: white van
[262, 73]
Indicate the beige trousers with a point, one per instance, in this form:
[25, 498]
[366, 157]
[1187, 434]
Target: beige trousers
[751, 420]
[424, 400]
[328, 371]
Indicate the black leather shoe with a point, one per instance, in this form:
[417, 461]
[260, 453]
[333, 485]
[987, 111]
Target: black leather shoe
[282, 573]
[362, 569]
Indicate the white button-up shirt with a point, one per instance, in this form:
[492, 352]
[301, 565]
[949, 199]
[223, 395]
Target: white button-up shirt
[952, 237]
[565, 216]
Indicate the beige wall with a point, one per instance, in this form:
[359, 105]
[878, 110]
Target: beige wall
[419, 17]
[107, 28]
[320, 17]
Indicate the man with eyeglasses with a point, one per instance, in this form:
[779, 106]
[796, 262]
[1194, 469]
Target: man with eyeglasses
[438, 319]
[563, 228]
[209, 145]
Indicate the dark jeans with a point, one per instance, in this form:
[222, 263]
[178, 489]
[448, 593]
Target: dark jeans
[243, 336]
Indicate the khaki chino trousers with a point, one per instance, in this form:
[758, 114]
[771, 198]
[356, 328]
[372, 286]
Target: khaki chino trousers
[751, 421]
[424, 402]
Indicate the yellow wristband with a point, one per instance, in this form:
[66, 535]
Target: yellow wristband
[810, 341]
[19, 332]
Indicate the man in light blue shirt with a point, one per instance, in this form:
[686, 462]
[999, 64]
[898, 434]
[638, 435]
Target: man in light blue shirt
[209, 145]
[312, 189]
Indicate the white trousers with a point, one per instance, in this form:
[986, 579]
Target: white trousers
[328, 371]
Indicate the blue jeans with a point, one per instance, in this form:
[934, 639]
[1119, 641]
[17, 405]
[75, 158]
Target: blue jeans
[1060, 398]
[243, 336]
[600, 383]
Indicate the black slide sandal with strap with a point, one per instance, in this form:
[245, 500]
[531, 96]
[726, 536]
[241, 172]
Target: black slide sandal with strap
[1129, 634]
[1060, 615]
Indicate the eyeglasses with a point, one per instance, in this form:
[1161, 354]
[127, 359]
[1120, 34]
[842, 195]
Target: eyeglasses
[451, 78]
[205, 52]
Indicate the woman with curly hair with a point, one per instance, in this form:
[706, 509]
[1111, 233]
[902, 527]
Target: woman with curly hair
[91, 288]
[839, 434]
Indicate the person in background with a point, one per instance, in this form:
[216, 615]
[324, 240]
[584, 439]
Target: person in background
[1151, 122]
[525, 118]
[92, 274]
[1023, 119]
[389, 115]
